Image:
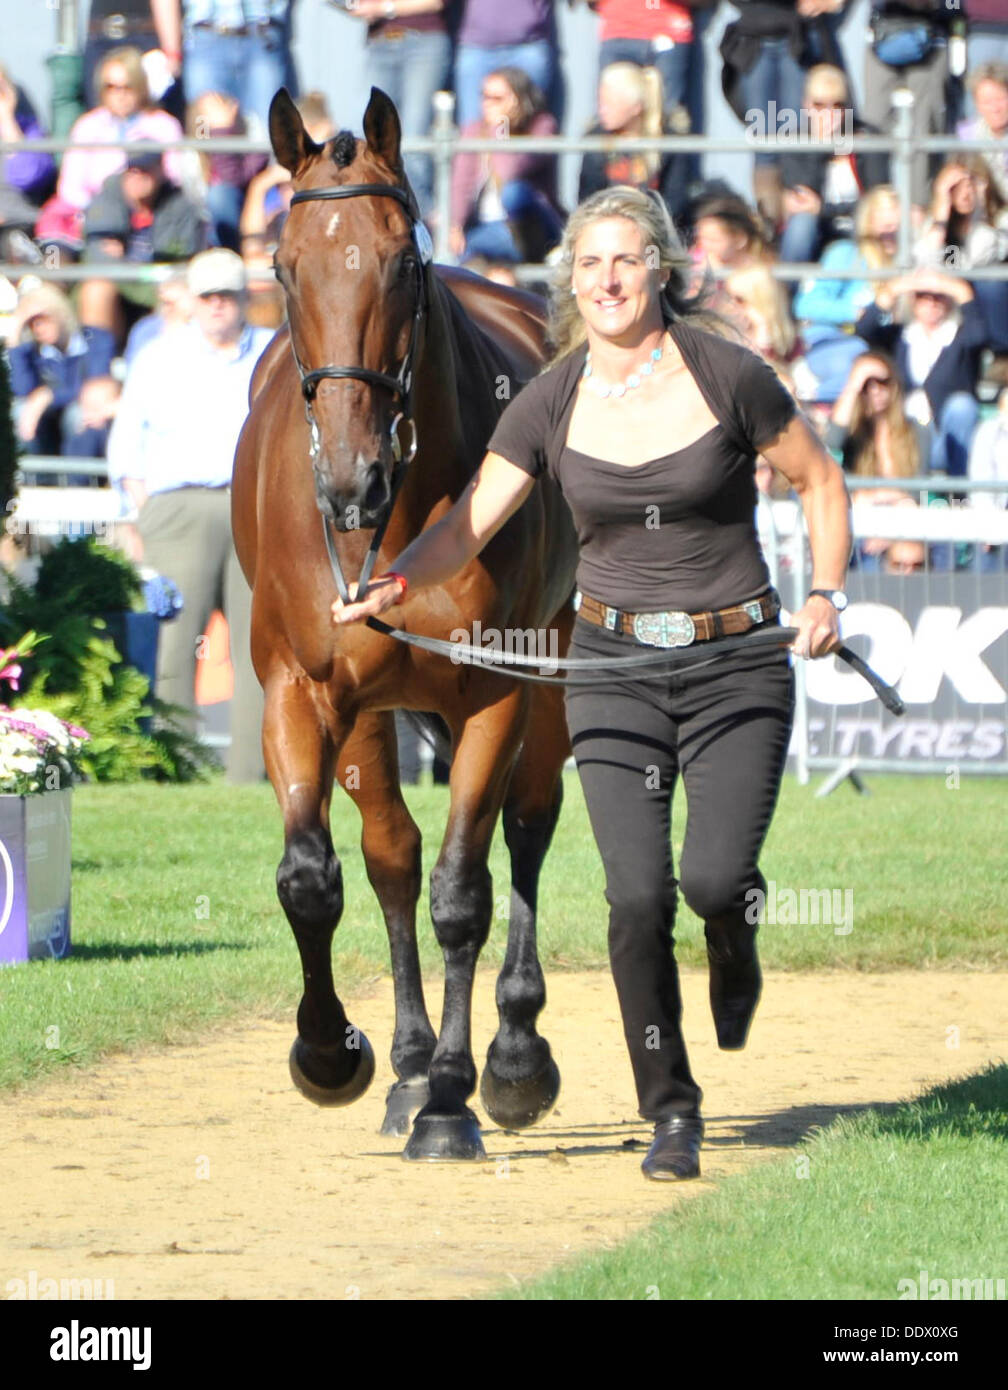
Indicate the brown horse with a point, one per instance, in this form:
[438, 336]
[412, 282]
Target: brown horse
[328, 451]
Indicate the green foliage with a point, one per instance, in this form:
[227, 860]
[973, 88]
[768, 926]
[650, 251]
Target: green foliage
[89, 577]
[78, 674]
[109, 699]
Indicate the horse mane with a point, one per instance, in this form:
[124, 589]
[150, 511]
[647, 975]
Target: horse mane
[474, 350]
[343, 149]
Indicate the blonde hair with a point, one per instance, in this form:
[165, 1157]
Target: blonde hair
[827, 81]
[868, 244]
[644, 85]
[130, 59]
[759, 291]
[650, 216]
[47, 299]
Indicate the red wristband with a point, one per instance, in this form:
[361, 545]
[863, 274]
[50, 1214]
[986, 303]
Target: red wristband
[400, 580]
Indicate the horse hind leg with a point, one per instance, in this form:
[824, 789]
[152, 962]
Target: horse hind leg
[390, 842]
[520, 1082]
[331, 1061]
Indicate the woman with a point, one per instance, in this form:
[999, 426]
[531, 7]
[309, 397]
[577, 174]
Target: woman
[821, 190]
[868, 427]
[762, 307]
[631, 105]
[827, 310]
[49, 367]
[504, 205]
[26, 176]
[125, 113]
[988, 86]
[937, 355]
[492, 34]
[968, 227]
[219, 182]
[670, 533]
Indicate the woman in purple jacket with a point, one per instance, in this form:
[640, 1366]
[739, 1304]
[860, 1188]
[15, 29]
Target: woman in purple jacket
[26, 175]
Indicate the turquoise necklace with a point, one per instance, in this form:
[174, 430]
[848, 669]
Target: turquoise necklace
[622, 387]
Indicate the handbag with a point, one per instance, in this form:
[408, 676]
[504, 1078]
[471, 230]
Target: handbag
[901, 42]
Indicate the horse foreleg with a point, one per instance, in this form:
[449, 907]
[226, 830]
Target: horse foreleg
[461, 897]
[390, 840]
[521, 1081]
[331, 1062]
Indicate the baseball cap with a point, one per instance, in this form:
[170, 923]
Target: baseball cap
[217, 272]
[148, 160]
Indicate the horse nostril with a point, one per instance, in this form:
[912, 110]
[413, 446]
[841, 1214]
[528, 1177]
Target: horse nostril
[376, 492]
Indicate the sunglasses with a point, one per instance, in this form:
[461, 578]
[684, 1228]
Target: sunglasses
[930, 294]
[877, 381]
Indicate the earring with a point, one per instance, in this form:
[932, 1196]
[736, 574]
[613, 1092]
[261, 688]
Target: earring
[573, 291]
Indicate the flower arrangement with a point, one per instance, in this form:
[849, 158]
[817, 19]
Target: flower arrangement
[38, 751]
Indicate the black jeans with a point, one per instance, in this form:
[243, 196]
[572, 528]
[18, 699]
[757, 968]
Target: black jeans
[726, 728]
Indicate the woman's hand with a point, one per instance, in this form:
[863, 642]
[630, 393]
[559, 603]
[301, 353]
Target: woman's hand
[383, 592]
[818, 625]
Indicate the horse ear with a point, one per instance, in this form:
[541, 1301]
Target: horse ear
[292, 144]
[382, 129]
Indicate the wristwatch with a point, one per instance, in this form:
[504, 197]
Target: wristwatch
[837, 597]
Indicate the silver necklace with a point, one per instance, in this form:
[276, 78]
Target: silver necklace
[621, 387]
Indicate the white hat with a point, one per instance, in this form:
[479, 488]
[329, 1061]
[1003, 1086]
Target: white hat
[217, 272]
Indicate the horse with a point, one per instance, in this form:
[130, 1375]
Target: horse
[328, 455]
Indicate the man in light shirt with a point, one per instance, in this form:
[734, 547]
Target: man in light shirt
[171, 452]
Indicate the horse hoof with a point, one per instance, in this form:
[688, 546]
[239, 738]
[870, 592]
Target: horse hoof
[403, 1101]
[518, 1104]
[307, 1065]
[445, 1138]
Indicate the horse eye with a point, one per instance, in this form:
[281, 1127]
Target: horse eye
[407, 266]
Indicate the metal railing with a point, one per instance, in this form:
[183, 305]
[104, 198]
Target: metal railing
[932, 619]
[444, 144]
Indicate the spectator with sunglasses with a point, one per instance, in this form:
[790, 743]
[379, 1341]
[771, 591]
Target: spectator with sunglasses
[125, 113]
[937, 351]
[869, 429]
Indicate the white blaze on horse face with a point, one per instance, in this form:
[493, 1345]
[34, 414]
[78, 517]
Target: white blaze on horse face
[333, 224]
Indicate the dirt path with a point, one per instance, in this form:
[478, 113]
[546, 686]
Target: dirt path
[200, 1172]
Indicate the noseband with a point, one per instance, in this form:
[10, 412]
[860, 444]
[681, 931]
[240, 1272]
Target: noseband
[401, 386]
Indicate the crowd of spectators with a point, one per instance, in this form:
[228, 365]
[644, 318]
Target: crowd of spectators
[902, 374]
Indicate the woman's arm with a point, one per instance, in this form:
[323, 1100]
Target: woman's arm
[819, 482]
[495, 493]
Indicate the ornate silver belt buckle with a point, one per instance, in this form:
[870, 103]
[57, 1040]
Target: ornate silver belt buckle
[664, 629]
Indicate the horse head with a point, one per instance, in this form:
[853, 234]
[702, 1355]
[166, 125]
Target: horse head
[352, 264]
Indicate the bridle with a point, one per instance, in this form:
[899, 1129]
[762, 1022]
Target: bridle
[400, 386]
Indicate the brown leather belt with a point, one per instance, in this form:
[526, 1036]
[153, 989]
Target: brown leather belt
[672, 629]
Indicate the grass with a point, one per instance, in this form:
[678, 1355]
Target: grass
[177, 928]
[874, 1199]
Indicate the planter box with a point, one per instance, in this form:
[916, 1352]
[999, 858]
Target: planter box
[34, 876]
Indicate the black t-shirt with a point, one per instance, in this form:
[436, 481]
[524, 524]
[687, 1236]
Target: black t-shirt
[676, 532]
